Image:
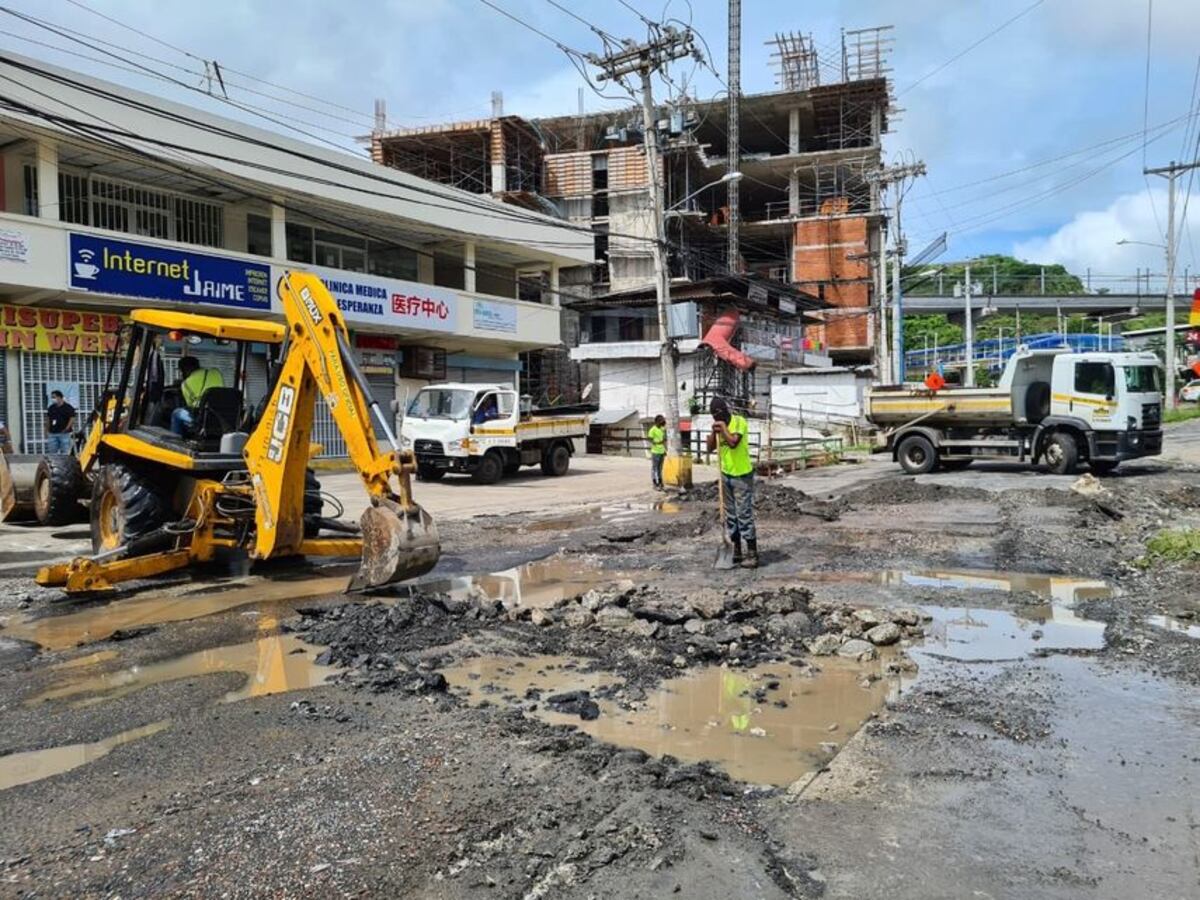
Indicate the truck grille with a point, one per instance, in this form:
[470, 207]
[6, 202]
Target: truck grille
[425, 447]
[1151, 415]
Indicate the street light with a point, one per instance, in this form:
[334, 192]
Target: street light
[1123, 241]
[724, 179]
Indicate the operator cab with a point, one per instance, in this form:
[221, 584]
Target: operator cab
[203, 408]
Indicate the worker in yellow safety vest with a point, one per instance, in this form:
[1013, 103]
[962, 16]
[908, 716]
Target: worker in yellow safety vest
[194, 382]
[731, 439]
[658, 450]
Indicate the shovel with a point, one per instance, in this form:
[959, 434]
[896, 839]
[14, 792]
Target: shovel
[725, 550]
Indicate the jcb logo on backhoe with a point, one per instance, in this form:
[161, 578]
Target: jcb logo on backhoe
[310, 304]
[281, 424]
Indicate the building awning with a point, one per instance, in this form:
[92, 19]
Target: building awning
[748, 293]
[611, 416]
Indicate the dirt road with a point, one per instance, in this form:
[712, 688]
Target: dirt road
[965, 685]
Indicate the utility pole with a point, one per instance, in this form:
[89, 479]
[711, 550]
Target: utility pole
[898, 175]
[969, 332]
[884, 364]
[644, 60]
[1171, 172]
[735, 149]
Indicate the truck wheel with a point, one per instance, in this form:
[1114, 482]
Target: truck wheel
[1104, 466]
[57, 490]
[429, 473]
[556, 461]
[1061, 453]
[916, 455]
[314, 504]
[126, 504]
[490, 469]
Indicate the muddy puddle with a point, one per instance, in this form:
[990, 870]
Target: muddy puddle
[1062, 589]
[767, 725]
[271, 665]
[1175, 626]
[98, 621]
[609, 514]
[34, 765]
[978, 635]
[539, 584]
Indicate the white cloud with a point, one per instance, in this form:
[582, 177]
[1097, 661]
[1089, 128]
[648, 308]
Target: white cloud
[1089, 239]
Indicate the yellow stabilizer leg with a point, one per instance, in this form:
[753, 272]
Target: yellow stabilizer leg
[83, 575]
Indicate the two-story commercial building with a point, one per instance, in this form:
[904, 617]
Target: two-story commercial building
[111, 199]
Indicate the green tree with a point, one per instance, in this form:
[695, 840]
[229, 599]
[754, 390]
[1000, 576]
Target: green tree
[1009, 275]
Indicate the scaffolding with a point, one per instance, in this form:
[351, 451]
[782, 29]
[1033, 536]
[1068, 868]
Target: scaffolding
[866, 53]
[795, 60]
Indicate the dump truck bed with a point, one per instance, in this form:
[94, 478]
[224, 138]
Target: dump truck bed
[897, 404]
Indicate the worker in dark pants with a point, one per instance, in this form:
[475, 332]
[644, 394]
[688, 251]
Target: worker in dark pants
[731, 439]
[658, 450]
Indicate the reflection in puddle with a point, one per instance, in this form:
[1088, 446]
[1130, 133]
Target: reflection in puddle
[976, 635]
[91, 659]
[540, 584]
[34, 765]
[272, 665]
[1067, 589]
[97, 622]
[1178, 626]
[711, 714]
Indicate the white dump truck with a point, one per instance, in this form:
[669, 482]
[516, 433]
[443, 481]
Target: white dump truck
[1051, 406]
[487, 431]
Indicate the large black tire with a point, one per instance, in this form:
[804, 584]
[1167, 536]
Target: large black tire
[430, 473]
[127, 504]
[1104, 467]
[314, 504]
[556, 461]
[1061, 453]
[490, 469]
[916, 455]
[57, 490]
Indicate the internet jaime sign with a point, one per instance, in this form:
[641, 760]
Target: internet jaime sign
[102, 265]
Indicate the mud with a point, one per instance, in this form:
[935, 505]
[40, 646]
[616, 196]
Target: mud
[926, 691]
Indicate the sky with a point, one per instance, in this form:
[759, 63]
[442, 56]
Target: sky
[1035, 119]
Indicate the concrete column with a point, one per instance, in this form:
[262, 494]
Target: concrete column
[12, 402]
[793, 131]
[555, 299]
[425, 267]
[278, 232]
[469, 267]
[794, 175]
[14, 184]
[47, 179]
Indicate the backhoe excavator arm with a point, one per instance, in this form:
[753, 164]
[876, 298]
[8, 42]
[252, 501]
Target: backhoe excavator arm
[399, 539]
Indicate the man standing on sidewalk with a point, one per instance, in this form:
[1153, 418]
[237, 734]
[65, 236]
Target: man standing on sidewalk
[731, 438]
[60, 421]
[658, 450]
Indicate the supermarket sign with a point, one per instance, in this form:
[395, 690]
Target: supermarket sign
[42, 330]
[387, 303]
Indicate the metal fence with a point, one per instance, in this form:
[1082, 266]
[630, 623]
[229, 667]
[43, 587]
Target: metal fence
[772, 453]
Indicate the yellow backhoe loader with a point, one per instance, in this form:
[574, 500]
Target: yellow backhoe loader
[170, 491]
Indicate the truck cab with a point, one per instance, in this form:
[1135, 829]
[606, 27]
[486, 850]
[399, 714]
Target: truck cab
[487, 431]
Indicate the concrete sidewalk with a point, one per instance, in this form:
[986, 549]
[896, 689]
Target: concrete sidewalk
[591, 479]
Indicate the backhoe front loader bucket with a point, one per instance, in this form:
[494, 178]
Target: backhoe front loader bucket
[397, 544]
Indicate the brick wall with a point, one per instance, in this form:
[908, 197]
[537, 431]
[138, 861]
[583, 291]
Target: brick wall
[821, 265]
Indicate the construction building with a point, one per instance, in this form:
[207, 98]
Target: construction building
[809, 221]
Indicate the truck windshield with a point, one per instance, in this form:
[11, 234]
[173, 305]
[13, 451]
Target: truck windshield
[1143, 379]
[440, 403]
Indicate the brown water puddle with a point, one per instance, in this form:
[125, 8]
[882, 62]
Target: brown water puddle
[34, 765]
[91, 659]
[540, 584]
[98, 622]
[707, 715]
[271, 665]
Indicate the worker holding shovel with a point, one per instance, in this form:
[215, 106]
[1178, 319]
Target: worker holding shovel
[730, 438]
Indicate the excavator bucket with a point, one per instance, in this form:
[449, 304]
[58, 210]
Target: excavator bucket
[397, 544]
[17, 473]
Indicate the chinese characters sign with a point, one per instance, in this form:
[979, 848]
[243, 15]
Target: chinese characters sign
[387, 302]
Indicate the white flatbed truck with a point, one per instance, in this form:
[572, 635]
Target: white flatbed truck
[1050, 406]
[486, 431]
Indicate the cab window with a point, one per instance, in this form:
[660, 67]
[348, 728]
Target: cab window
[1095, 378]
